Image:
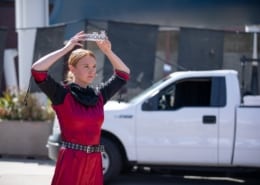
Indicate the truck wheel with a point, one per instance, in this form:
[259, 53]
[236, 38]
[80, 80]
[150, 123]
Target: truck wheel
[111, 159]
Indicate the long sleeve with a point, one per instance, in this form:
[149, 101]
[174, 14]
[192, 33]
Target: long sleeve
[113, 85]
[55, 91]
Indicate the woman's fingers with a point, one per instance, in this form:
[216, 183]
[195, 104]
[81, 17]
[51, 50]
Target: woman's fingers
[81, 32]
[104, 46]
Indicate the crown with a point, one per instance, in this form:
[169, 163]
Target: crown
[95, 36]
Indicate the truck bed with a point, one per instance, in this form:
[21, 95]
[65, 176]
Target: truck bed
[247, 141]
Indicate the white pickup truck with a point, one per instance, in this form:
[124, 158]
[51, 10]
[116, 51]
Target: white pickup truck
[191, 118]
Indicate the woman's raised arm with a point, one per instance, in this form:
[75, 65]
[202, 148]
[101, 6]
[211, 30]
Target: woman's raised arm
[117, 63]
[45, 62]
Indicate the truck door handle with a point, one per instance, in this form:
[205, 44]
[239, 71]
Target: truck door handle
[209, 119]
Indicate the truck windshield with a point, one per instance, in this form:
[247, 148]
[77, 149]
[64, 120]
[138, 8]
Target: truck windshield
[150, 89]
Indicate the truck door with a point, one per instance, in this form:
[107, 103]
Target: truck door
[181, 124]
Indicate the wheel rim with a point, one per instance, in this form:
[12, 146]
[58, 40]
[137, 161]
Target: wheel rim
[105, 162]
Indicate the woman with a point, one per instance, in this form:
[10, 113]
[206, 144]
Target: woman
[79, 108]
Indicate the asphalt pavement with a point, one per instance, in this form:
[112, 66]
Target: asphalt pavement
[19, 171]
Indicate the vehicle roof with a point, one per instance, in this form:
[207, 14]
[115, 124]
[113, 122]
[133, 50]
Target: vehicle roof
[222, 72]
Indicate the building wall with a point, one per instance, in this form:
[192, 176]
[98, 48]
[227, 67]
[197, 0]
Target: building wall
[170, 15]
[227, 14]
[7, 19]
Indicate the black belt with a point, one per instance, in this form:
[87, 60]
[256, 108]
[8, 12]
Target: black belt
[84, 148]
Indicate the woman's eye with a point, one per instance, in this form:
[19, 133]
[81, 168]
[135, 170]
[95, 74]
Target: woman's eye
[88, 67]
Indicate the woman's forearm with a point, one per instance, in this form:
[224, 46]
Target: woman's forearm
[44, 63]
[106, 47]
[116, 62]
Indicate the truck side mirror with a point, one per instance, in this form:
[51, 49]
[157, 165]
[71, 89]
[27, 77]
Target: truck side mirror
[148, 105]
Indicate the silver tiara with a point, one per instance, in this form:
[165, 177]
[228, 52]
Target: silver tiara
[95, 36]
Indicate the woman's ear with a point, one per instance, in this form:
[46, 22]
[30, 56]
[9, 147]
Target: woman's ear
[71, 68]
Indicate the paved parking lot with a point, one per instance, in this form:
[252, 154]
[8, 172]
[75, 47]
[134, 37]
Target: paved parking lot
[15, 171]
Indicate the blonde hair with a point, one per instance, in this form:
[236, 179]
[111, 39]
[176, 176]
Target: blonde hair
[74, 58]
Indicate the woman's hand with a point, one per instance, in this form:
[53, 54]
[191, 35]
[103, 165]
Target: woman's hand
[76, 40]
[104, 46]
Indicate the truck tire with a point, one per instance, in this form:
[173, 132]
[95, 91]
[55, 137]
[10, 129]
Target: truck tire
[111, 158]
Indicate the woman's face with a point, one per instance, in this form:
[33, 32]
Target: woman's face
[84, 71]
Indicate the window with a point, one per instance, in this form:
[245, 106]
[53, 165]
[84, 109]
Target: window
[191, 92]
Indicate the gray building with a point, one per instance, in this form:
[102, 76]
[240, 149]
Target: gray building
[157, 37]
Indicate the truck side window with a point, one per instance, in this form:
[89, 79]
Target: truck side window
[193, 92]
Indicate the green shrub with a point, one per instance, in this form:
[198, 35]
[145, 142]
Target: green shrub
[13, 107]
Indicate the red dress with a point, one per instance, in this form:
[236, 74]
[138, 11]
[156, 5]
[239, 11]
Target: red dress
[80, 123]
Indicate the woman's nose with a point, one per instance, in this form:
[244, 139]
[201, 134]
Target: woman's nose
[92, 70]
